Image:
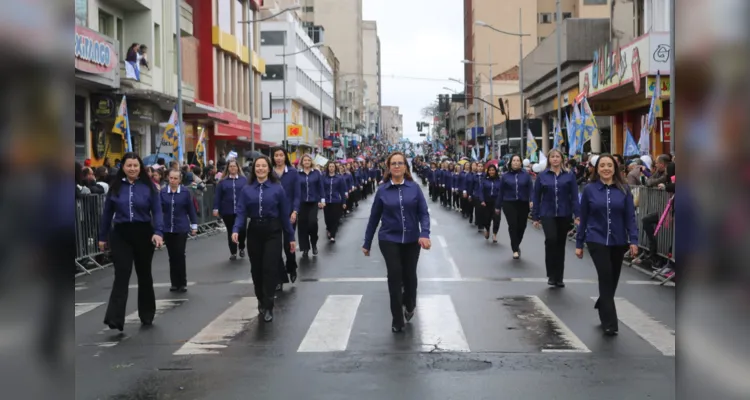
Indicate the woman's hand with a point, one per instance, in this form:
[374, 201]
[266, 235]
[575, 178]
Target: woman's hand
[321, 205]
[537, 225]
[497, 212]
[293, 218]
[344, 206]
[484, 204]
[579, 253]
[633, 250]
[425, 243]
[193, 232]
[102, 246]
[366, 252]
[216, 213]
[157, 240]
[236, 237]
[577, 221]
[292, 246]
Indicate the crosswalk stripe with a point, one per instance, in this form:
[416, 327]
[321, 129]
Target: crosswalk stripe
[332, 326]
[162, 306]
[439, 326]
[217, 334]
[159, 285]
[83, 308]
[574, 344]
[646, 327]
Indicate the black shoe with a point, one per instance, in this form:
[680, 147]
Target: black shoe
[113, 326]
[293, 276]
[232, 257]
[279, 287]
[315, 250]
[147, 322]
[551, 282]
[610, 332]
[182, 289]
[268, 315]
[397, 329]
[174, 289]
[242, 253]
[304, 254]
[261, 310]
[560, 284]
[408, 315]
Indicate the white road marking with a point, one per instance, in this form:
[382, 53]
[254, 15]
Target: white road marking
[455, 272]
[162, 306]
[442, 241]
[83, 308]
[332, 326]
[646, 327]
[217, 334]
[439, 326]
[577, 346]
[160, 284]
[544, 280]
[80, 287]
[458, 279]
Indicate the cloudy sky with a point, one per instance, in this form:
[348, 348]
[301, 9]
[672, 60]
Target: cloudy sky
[421, 44]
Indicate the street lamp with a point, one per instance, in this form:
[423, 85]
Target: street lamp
[249, 21]
[492, 92]
[283, 56]
[520, 36]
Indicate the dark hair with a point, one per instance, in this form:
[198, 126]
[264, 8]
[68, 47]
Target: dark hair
[286, 155]
[328, 164]
[510, 162]
[387, 175]
[487, 171]
[617, 177]
[619, 159]
[142, 174]
[271, 176]
[79, 173]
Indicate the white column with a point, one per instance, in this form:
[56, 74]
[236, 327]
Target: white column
[545, 135]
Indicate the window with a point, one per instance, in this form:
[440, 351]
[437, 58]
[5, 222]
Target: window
[567, 15]
[82, 12]
[594, 2]
[106, 24]
[545, 18]
[174, 52]
[157, 46]
[272, 38]
[308, 9]
[239, 28]
[274, 73]
[120, 36]
[225, 15]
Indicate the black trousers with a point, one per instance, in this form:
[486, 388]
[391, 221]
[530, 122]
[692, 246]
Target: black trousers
[229, 223]
[401, 262]
[491, 219]
[176, 243]
[290, 265]
[308, 225]
[264, 246]
[649, 227]
[555, 240]
[468, 208]
[434, 192]
[608, 263]
[457, 196]
[478, 209]
[517, 216]
[130, 243]
[332, 215]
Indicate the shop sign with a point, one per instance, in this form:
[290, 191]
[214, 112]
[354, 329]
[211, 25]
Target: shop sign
[614, 66]
[659, 53]
[666, 131]
[294, 131]
[103, 106]
[665, 83]
[94, 53]
[142, 112]
[327, 144]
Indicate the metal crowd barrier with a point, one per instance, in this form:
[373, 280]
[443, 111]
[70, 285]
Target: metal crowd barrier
[88, 217]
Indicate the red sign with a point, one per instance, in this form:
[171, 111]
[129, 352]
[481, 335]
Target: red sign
[666, 131]
[94, 53]
[327, 144]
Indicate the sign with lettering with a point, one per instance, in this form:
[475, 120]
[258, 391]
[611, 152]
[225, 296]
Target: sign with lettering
[614, 65]
[651, 86]
[94, 53]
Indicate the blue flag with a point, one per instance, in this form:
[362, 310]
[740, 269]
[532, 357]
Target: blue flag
[631, 147]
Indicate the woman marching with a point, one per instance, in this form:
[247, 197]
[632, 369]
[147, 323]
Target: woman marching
[336, 193]
[555, 203]
[608, 228]
[311, 199]
[289, 179]
[132, 203]
[264, 201]
[401, 206]
[513, 199]
[476, 188]
[487, 198]
[225, 204]
[179, 220]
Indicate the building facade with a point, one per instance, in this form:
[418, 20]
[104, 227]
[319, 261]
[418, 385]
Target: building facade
[393, 124]
[371, 54]
[303, 91]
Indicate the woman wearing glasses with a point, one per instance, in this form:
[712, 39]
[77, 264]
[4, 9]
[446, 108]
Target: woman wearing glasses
[401, 207]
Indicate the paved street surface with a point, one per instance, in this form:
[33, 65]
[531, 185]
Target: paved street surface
[486, 327]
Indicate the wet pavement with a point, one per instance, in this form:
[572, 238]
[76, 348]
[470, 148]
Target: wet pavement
[486, 327]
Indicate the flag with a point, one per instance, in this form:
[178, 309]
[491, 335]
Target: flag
[631, 148]
[171, 135]
[559, 140]
[572, 142]
[122, 125]
[589, 122]
[200, 148]
[531, 146]
[648, 124]
[578, 128]
[487, 150]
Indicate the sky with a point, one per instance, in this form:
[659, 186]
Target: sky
[421, 46]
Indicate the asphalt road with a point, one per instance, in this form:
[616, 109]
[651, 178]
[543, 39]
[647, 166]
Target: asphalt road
[486, 327]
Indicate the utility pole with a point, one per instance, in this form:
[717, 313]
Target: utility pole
[520, 80]
[286, 141]
[180, 156]
[672, 77]
[252, 77]
[492, 110]
[559, 79]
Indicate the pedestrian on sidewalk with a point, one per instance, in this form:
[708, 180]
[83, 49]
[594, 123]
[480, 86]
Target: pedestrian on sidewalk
[225, 204]
[132, 203]
[402, 208]
[179, 220]
[555, 203]
[264, 201]
[608, 228]
[513, 198]
[311, 199]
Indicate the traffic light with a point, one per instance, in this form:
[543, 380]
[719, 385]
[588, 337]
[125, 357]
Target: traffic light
[458, 98]
[419, 127]
[502, 106]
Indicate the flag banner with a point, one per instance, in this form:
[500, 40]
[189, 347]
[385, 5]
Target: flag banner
[122, 125]
[559, 140]
[572, 142]
[631, 148]
[200, 148]
[170, 138]
[531, 146]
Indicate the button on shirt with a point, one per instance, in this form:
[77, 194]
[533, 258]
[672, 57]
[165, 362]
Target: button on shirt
[514, 186]
[311, 186]
[135, 202]
[290, 182]
[490, 186]
[334, 188]
[265, 200]
[401, 212]
[227, 193]
[179, 210]
[555, 195]
[607, 216]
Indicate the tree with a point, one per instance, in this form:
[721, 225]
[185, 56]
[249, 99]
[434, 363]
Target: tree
[431, 110]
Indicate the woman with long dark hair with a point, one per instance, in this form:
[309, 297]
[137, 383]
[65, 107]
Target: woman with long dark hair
[401, 210]
[487, 198]
[225, 204]
[132, 204]
[555, 204]
[609, 229]
[513, 199]
[311, 199]
[476, 188]
[335, 192]
[289, 179]
[264, 201]
[179, 219]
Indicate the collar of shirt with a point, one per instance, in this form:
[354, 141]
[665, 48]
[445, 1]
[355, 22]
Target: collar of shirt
[601, 185]
[169, 189]
[257, 184]
[391, 183]
[233, 176]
